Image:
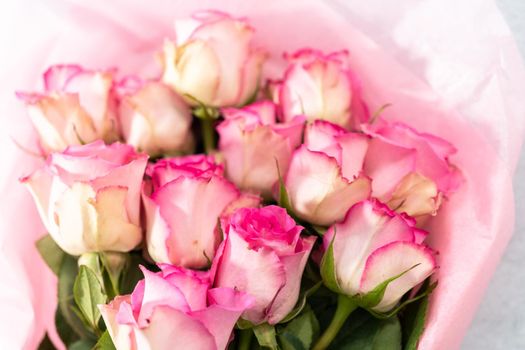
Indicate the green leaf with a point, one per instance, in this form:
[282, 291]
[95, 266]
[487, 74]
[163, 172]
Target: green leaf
[418, 325]
[301, 303]
[328, 268]
[64, 330]
[105, 342]
[88, 293]
[92, 261]
[266, 336]
[428, 289]
[84, 344]
[66, 279]
[414, 317]
[244, 324]
[46, 344]
[373, 334]
[301, 332]
[374, 297]
[51, 253]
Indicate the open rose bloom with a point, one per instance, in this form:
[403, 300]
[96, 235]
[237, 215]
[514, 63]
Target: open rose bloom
[464, 86]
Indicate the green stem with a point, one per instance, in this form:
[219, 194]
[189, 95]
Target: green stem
[208, 134]
[245, 339]
[345, 306]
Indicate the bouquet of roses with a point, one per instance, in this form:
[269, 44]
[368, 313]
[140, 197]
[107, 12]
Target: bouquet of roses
[210, 208]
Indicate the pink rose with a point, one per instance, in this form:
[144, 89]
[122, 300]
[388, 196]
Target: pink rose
[252, 144]
[410, 171]
[89, 197]
[183, 202]
[321, 86]
[424, 173]
[76, 107]
[174, 308]
[373, 244]
[264, 256]
[213, 60]
[153, 118]
[324, 180]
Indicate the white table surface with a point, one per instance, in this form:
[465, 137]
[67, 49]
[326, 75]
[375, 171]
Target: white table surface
[500, 321]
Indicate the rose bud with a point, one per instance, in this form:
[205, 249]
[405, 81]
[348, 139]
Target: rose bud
[321, 86]
[264, 256]
[213, 60]
[153, 118]
[183, 201]
[409, 170]
[89, 197]
[174, 306]
[253, 145]
[324, 180]
[383, 245]
[76, 107]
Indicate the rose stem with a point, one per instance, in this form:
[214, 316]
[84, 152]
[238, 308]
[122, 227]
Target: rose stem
[345, 306]
[208, 134]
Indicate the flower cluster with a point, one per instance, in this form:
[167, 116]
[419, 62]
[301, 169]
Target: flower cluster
[228, 228]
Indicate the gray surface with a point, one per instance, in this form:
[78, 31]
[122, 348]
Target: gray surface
[500, 321]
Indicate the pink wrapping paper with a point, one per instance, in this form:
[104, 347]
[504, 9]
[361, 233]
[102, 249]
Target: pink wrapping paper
[448, 67]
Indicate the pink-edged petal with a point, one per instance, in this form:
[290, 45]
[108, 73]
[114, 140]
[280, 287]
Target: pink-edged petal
[317, 190]
[249, 165]
[266, 110]
[183, 70]
[40, 184]
[258, 273]
[220, 317]
[61, 121]
[321, 134]
[251, 76]
[155, 119]
[191, 207]
[293, 266]
[158, 292]
[300, 95]
[169, 328]
[245, 200]
[420, 236]
[359, 109]
[230, 42]
[57, 77]
[416, 195]
[367, 226]
[157, 231]
[76, 219]
[129, 175]
[387, 164]
[114, 230]
[194, 286]
[391, 260]
[94, 92]
[337, 93]
[353, 151]
[121, 333]
[292, 130]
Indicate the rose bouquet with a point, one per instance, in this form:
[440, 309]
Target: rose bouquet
[227, 202]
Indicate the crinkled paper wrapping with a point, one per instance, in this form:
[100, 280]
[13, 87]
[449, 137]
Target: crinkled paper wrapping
[447, 67]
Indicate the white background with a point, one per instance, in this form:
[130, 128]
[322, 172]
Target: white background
[500, 321]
